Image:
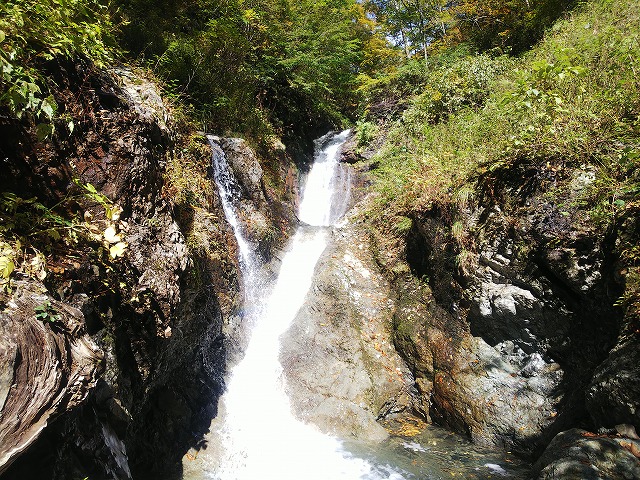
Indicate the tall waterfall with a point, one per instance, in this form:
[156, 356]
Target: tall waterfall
[255, 435]
[326, 192]
[259, 437]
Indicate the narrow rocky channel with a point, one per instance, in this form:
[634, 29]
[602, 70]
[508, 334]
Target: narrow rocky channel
[321, 391]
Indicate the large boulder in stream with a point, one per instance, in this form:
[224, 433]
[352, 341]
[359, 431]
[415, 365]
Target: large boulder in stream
[497, 395]
[580, 455]
[342, 372]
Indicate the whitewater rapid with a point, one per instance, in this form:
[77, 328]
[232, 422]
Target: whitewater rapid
[260, 437]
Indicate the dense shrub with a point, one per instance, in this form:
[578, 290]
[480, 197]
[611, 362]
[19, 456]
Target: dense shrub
[33, 32]
[270, 67]
[573, 100]
[449, 88]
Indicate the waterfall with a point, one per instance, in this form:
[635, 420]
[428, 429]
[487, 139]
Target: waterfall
[326, 192]
[259, 437]
[229, 191]
[255, 436]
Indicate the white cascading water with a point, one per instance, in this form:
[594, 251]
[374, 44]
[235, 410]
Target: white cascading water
[259, 437]
[229, 192]
[321, 205]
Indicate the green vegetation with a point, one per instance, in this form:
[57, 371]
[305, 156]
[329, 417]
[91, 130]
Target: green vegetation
[422, 27]
[34, 32]
[36, 36]
[265, 69]
[511, 26]
[572, 102]
[47, 313]
[29, 231]
[574, 99]
[431, 147]
[262, 68]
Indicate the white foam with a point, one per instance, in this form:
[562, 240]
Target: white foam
[260, 437]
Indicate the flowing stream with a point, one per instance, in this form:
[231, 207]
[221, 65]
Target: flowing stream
[257, 437]
[260, 438]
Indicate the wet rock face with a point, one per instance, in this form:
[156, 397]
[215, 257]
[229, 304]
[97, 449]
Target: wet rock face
[246, 168]
[496, 403]
[126, 163]
[614, 394]
[580, 455]
[497, 395]
[132, 398]
[513, 315]
[350, 153]
[266, 213]
[342, 372]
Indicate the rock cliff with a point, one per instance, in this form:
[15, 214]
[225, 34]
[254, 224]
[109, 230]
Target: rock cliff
[508, 309]
[343, 373]
[112, 363]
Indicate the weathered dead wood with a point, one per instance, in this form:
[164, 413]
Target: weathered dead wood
[47, 366]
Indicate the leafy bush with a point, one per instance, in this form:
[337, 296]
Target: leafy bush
[511, 25]
[465, 83]
[365, 132]
[33, 32]
[267, 68]
[395, 87]
[28, 228]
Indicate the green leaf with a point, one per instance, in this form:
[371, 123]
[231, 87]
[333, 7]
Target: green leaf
[48, 107]
[31, 87]
[42, 308]
[6, 266]
[44, 130]
[47, 313]
[54, 235]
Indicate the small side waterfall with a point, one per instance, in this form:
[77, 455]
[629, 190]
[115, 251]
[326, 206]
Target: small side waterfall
[229, 193]
[259, 437]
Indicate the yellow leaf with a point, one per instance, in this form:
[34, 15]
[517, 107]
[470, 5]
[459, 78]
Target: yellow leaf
[113, 213]
[37, 267]
[111, 236]
[6, 266]
[117, 250]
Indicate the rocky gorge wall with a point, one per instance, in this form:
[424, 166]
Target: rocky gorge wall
[509, 319]
[507, 322]
[120, 376]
